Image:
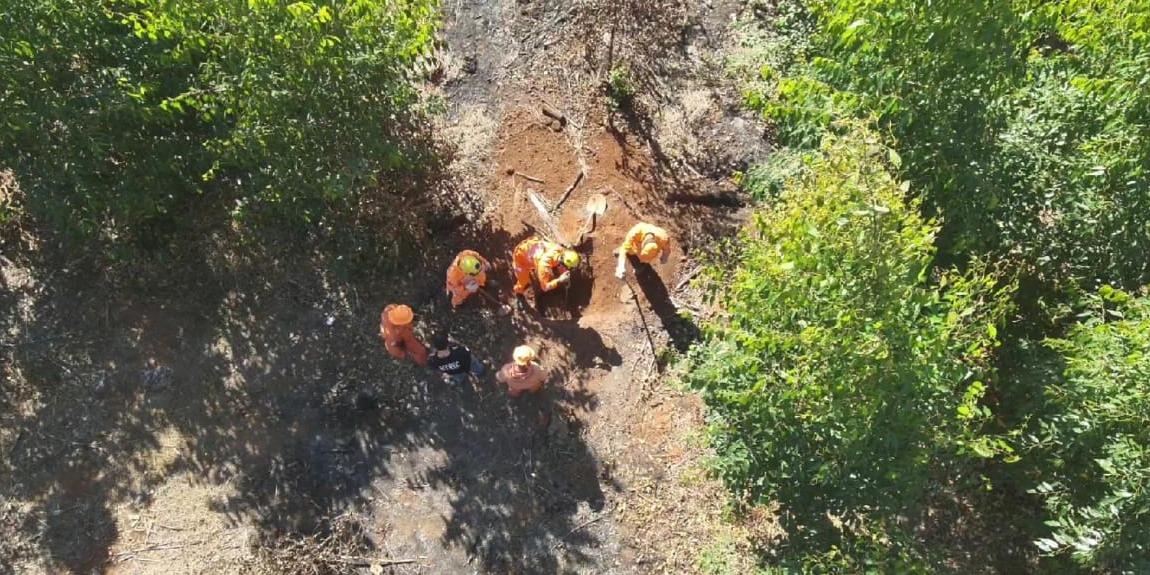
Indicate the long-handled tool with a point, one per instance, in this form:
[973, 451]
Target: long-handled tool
[596, 206]
[504, 309]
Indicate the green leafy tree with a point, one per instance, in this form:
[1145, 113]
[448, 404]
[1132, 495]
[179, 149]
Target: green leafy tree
[126, 113]
[846, 374]
[1091, 440]
[1021, 122]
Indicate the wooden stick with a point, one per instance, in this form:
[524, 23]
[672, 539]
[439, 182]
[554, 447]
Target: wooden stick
[530, 178]
[683, 282]
[503, 308]
[365, 562]
[154, 547]
[545, 215]
[581, 525]
[567, 194]
[553, 113]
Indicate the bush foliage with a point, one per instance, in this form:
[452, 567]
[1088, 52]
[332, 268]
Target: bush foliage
[1023, 123]
[1091, 439]
[120, 116]
[1022, 126]
[847, 372]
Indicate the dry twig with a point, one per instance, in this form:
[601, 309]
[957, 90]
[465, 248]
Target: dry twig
[580, 526]
[529, 178]
[687, 279]
[567, 193]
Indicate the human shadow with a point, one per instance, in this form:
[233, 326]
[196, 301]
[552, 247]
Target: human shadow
[678, 325]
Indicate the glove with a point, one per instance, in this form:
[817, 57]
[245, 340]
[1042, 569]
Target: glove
[620, 271]
[565, 278]
[472, 287]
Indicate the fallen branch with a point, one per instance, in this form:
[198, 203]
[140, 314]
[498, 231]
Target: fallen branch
[16, 443]
[365, 562]
[686, 280]
[581, 525]
[125, 556]
[36, 341]
[651, 368]
[567, 193]
[686, 306]
[529, 178]
[647, 345]
[553, 113]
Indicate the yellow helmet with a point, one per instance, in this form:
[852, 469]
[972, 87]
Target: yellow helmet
[571, 258]
[523, 355]
[650, 251]
[470, 265]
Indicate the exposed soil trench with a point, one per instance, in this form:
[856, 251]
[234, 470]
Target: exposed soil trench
[180, 420]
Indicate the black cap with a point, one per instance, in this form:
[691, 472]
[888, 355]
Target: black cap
[439, 341]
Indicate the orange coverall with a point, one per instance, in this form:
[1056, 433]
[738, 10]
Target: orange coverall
[521, 378]
[633, 242]
[400, 340]
[544, 257]
[458, 282]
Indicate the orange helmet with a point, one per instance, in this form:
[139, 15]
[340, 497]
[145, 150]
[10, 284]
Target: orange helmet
[400, 315]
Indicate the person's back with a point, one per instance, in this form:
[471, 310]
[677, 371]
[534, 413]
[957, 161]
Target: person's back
[466, 275]
[550, 262]
[645, 242]
[398, 336]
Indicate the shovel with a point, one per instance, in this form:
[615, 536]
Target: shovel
[596, 206]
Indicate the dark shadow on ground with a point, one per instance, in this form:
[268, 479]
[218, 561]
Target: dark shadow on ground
[262, 357]
[680, 329]
[693, 208]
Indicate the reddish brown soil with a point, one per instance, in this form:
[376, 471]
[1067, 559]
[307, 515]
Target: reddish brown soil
[613, 166]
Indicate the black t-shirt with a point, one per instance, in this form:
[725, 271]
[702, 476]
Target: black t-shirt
[458, 361]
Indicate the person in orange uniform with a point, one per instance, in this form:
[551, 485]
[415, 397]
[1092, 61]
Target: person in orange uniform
[551, 262]
[646, 242]
[467, 275]
[523, 374]
[398, 336]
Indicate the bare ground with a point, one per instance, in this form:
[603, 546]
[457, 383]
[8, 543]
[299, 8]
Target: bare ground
[203, 414]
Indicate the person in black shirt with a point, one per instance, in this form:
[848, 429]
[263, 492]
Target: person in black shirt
[454, 360]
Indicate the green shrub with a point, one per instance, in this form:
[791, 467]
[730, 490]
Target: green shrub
[766, 181]
[1091, 441]
[845, 375]
[1022, 123]
[1022, 126]
[120, 116]
[620, 88]
[866, 548]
